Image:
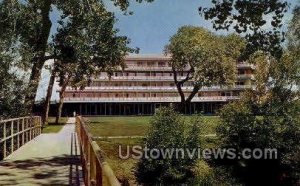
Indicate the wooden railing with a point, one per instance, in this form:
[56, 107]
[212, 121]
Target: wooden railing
[95, 170]
[14, 133]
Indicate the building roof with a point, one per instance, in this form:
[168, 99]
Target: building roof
[148, 57]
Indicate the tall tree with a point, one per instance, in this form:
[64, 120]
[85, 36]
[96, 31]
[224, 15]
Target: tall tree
[206, 64]
[12, 88]
[251, 18]
[12, 85]
[268, 117]
[30, 24]
[85, 44]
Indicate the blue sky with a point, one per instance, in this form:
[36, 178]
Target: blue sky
[152, 25]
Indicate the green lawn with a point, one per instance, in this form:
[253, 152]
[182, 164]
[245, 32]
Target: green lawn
[52, 127]
[123, 169]
[119, 126]
[62, 120]
[137, 126]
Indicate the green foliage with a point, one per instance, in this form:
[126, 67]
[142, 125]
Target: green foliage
[250, 18]
[84, 42]
[275, 128]
[87, 43]
[266, 117]
[207, 175]
[12, 87]
[207, 65]
[169, 130]
[293, 44]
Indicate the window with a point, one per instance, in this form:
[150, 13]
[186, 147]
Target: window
[240, 83]
[241, 72]
[161, 64]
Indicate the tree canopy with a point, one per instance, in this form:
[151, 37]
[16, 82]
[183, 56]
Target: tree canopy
[86, 27]
[209, 59]
[251, 18]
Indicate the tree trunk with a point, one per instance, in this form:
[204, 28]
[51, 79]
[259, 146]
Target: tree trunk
[39, 58]
[61, 100]
[48, 97]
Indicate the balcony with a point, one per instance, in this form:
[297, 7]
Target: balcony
[137, 78]
[245, 65]
[246, 76]
[158, 88]
[148, 68]
[148, 99]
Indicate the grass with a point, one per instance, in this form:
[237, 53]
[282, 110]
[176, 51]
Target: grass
[134, 126]
[119, 126]
[137, 126]
[62, 120]
[123, 169]
[52, 127]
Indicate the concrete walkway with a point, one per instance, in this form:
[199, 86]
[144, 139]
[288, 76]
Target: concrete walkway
[49, 159]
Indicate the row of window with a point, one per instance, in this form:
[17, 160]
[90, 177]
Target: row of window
[150, 63]
[146, 74]
[143, 84]
[162, 74]
[132, 95]
[134, 84]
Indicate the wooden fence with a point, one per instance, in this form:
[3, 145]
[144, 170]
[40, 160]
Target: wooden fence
[14, 133]
[95, 170]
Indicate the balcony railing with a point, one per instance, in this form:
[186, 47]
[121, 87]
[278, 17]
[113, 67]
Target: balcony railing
[168, 68]
[246, 76]
[245, 65]
[148, 99]
[160, 88]
[145, 78]
[154, 78]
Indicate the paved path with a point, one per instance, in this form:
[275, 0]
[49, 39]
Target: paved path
[49, 159]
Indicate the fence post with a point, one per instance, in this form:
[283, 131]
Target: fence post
[30, 129]
[18, 137]
[12, 137]
[23, 134]
[4, 143]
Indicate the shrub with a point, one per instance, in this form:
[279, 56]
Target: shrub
[275, 127]
[169, 130]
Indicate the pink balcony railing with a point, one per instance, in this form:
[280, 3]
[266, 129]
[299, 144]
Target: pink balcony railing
[148, 99]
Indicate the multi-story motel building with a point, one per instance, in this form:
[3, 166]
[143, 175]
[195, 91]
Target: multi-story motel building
[146, 84]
